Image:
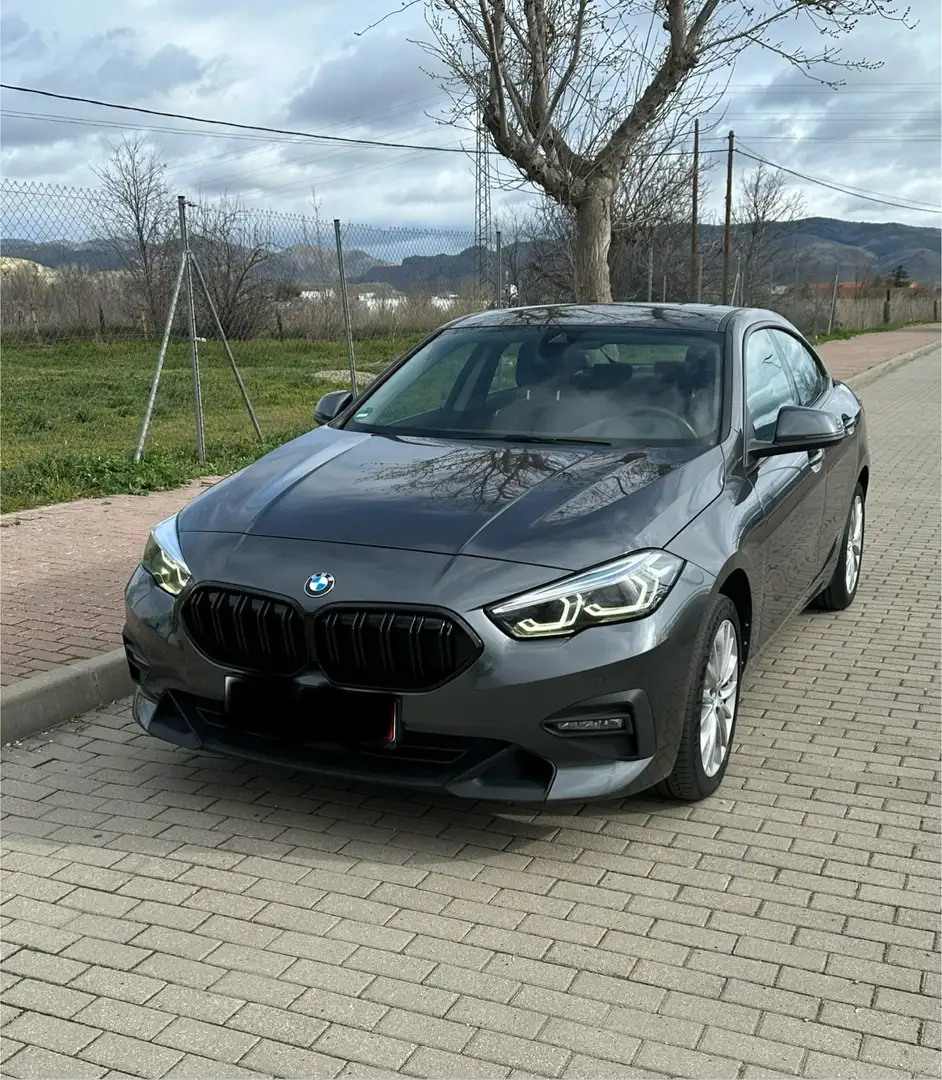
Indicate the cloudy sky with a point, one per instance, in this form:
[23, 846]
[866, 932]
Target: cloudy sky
[299, 64]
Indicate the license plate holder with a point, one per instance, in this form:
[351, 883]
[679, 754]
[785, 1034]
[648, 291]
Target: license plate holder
[283, 708]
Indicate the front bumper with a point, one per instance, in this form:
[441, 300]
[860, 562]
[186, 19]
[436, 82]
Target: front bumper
[483, 734]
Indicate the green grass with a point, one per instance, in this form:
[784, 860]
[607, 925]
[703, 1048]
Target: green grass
[72, 411]
[840, 334]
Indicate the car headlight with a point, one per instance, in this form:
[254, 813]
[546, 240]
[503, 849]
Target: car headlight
[163, 559]
[628, 588]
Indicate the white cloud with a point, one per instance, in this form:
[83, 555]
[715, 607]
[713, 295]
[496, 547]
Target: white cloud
[294, 64]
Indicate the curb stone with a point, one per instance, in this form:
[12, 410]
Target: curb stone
[44, 701]
[879, 370]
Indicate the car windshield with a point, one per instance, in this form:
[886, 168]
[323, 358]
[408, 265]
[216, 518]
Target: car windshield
[606, 385]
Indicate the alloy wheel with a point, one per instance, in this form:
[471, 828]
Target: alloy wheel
[718, 699]
[854, 545]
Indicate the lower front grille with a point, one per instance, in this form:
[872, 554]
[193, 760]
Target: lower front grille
[243, 630]
[391, 649]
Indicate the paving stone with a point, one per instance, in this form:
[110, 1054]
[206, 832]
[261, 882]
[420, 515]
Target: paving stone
[131, 1055]
[141, 1022]
[276, 1059]
[352, 1044]
[43, 966]
[399, 993]
[518, 1053]
[50, 1032]
[36, 1063]
[338, 1008]
[435, 1064]
[210, 1006]
[48, 998]
[199, 1068]
[278, 1024]
[208, 1040]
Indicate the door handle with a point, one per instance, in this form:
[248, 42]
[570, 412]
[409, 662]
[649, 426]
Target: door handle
[816, 458]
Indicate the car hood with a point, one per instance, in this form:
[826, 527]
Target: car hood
[550, 505]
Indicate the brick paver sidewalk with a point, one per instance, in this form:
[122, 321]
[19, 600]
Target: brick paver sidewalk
[65, 567]
[170, 914]
[64, 572]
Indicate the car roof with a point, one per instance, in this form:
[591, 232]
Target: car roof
[705, 317]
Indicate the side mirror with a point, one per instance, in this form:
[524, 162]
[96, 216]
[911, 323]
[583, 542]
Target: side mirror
[800, 428]
[330, 405]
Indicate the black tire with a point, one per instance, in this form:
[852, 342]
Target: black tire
[689, 780]
[836, 596]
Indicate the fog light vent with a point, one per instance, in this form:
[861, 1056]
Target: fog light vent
[592, 725]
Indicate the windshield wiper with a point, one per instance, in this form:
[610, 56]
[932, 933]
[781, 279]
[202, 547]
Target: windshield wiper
[552, 439]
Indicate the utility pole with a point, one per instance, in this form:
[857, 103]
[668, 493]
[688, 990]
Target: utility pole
[729, 216]
[499, 278]
[694, 210]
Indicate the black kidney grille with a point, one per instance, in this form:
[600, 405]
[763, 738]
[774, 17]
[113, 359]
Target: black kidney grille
[391, 650]
[243, 630]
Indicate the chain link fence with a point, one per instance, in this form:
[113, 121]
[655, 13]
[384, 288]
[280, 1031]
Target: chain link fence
[88, 287]
[88, 299]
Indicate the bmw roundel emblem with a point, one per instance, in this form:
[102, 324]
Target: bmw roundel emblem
[319, 584]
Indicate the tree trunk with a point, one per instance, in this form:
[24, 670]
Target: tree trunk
[592, 242]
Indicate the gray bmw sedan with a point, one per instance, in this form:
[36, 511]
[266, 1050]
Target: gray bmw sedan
[528, 563]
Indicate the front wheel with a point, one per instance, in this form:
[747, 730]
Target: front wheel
[711, 707]
[842, 588]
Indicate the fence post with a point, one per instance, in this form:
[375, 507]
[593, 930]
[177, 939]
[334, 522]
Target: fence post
[191, 321]
[164, 341]
[837, 275]
[886, 309]
[935, 310]
[345, 302]
[192, 263]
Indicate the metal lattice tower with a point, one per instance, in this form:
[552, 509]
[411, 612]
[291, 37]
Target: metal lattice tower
[483, 234]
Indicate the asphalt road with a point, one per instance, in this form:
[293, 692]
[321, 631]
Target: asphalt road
[170, 914]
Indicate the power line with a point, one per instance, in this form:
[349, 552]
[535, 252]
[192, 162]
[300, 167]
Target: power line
[233, 124]
[885, 201]
[293, 135]
[298, 138]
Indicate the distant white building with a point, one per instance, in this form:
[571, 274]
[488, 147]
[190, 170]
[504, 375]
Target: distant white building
[374, 303]
[443, 303]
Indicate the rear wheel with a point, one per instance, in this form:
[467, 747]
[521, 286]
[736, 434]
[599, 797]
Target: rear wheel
[711, 707]
[842, 588]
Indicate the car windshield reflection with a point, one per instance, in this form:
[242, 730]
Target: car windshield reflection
[600, 385]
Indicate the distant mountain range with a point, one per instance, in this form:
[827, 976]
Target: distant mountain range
[815, 246]
[301, 263]
[812, 246]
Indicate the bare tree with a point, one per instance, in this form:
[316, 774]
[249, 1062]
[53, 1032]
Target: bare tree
[650, 211]
[138, 219]
[762, 214]
[568, 89]
[231, 250]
